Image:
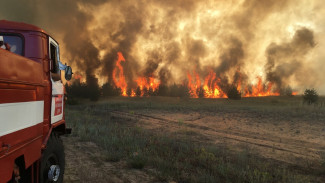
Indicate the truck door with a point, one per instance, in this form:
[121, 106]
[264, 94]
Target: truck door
[57, 86]
[21, 103]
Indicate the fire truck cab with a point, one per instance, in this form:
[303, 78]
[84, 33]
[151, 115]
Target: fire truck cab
[31, 105]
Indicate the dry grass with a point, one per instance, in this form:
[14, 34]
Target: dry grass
[178, 155]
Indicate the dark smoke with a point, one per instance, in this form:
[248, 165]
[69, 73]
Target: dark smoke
[232, 57]
[152, 63]
[129, 30]
[287, 59]
[230, 60]
[165, 75]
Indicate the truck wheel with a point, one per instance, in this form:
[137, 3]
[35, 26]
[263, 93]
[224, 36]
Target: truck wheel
[52, 162]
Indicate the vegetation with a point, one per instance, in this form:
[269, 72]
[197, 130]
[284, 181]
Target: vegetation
[233, 93]
[179, 157]
[310, 96]
[110, 90]
[90, 90]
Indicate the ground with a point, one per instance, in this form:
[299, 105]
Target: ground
[281, 131]
[296, 142]
[85, 163]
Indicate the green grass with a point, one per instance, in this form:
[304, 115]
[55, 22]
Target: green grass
[184, 159]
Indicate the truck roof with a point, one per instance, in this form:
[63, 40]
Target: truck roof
[5, 24]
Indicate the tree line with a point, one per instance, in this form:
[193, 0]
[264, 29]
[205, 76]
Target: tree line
[93, 92]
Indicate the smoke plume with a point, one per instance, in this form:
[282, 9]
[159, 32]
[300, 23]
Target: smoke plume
[287, 59]
[279, 41]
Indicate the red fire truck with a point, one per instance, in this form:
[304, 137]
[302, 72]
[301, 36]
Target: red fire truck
[31, 105]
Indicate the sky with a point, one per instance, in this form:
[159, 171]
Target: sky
[282, 41]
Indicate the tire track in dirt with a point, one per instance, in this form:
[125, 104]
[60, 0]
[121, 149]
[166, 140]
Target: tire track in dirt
[291, 149]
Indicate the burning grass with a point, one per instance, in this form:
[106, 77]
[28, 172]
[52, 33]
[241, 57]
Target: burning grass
[178, 155]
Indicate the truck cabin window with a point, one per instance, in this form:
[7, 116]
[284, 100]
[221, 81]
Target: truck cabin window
[11, 42]
[54, 59]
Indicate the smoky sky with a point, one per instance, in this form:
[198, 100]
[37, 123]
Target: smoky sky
[277, 40]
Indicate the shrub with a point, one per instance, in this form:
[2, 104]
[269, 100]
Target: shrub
[72, 101]
[310, 96]
[137, 161]
[90, 89]
[162, 90]
[109, 89]
[138, 92]
[233, 93]
[129, 92]
[287, 91]
[201, 92]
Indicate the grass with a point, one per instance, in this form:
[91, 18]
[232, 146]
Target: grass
[292, 106]
[184, 159]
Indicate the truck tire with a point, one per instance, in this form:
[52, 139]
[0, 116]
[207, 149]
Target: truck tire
[53, 161]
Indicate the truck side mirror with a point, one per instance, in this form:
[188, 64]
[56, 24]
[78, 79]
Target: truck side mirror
[68, 73]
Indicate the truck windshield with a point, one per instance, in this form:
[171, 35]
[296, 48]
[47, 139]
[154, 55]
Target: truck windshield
[11, 42]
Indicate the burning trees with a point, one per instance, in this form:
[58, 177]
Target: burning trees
[211, 86]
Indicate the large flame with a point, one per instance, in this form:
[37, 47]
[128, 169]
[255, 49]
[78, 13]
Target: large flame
[120, 79]
[194, 84]
[260, 90]
[147, 85]
[211, 88]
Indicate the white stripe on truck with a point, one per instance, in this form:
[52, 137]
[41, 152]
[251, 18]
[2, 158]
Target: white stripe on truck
[17, 116]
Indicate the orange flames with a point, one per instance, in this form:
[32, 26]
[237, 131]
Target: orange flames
[260, 90]
[194, 84]
[120, 80]
[149, 84]
[211, 88]
[294, 93]
[144, 84]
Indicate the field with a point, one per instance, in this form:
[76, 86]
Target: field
[162, 139]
